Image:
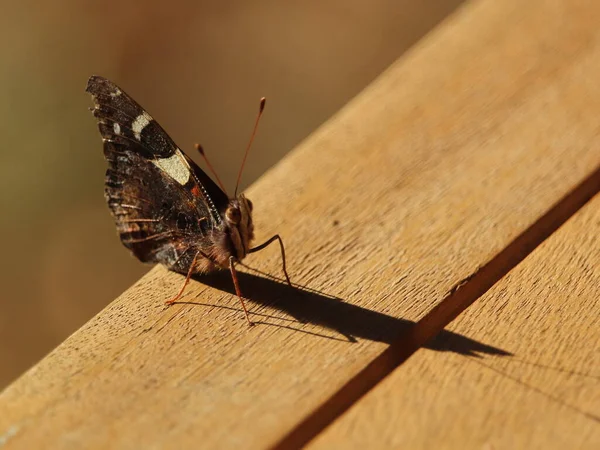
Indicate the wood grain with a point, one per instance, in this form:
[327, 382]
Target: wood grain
[424, 177]
[546, 312]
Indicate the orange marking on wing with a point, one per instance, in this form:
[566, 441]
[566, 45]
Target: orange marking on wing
[196, 191]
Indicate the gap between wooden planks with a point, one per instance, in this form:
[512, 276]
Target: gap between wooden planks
[427, 175]
[459, 297]
[546, 312]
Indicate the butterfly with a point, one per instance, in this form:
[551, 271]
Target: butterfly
[166, 209]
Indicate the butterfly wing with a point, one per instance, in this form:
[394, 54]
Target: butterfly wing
[165, 206]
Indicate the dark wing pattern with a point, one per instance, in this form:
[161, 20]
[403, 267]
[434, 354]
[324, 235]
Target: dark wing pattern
[164, 205]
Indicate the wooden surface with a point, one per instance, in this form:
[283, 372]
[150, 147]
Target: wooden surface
[448, 163]
[546, 313]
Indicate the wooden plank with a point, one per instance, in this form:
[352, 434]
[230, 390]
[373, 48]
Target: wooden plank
[428, 174]
[546, 312]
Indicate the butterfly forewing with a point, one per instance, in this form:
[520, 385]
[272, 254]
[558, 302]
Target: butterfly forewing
[164, 205]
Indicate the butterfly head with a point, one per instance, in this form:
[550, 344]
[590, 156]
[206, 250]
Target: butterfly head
[238, 221]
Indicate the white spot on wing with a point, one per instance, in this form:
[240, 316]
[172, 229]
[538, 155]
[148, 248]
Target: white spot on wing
[175, 166]
[117, 128]
[140, 123]
[116, 93]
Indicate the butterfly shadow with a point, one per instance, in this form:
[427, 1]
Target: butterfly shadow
[329, 313]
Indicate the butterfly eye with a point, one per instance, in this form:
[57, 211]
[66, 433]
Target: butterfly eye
[250, 205]
[233, 215]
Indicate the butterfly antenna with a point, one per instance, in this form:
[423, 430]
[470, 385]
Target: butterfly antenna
[260, 111]
[212, 170]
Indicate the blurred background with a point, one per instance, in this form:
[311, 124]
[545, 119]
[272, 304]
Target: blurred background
[199, 68]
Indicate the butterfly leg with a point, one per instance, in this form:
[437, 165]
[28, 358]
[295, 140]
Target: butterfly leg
[263, 245]
[185, 283]
[237, 287]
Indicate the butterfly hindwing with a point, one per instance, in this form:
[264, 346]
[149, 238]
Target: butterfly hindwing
[152, 218]
[164, 205]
